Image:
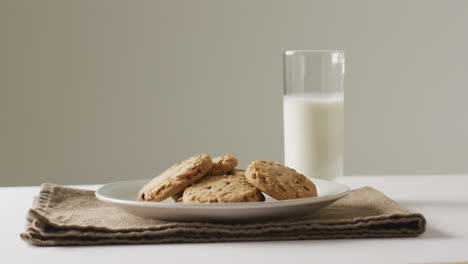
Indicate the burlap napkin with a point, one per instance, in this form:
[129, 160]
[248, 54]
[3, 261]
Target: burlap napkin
[67, 216]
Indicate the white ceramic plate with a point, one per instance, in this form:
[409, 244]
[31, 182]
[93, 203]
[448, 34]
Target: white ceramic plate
[124, 195]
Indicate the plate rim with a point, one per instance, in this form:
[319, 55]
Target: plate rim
[215, 206]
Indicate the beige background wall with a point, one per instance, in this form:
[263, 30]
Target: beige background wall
[99, 91]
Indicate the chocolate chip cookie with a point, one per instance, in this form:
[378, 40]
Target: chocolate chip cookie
[223, 165]
[176, 178]
[278, 181]
[222, 189]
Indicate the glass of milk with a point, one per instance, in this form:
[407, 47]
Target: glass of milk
[313, 112]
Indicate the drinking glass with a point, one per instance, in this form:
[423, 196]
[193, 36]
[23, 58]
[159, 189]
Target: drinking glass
[313, 104]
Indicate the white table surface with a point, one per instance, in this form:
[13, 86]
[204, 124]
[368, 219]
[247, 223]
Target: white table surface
[443, 199]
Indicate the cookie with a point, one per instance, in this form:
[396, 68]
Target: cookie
[220, 166]
[223, 165]
[236, 172]
[176, 178]
[222, 189]
[278, 181]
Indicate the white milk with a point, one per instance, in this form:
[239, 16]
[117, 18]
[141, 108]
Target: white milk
[313, 135]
